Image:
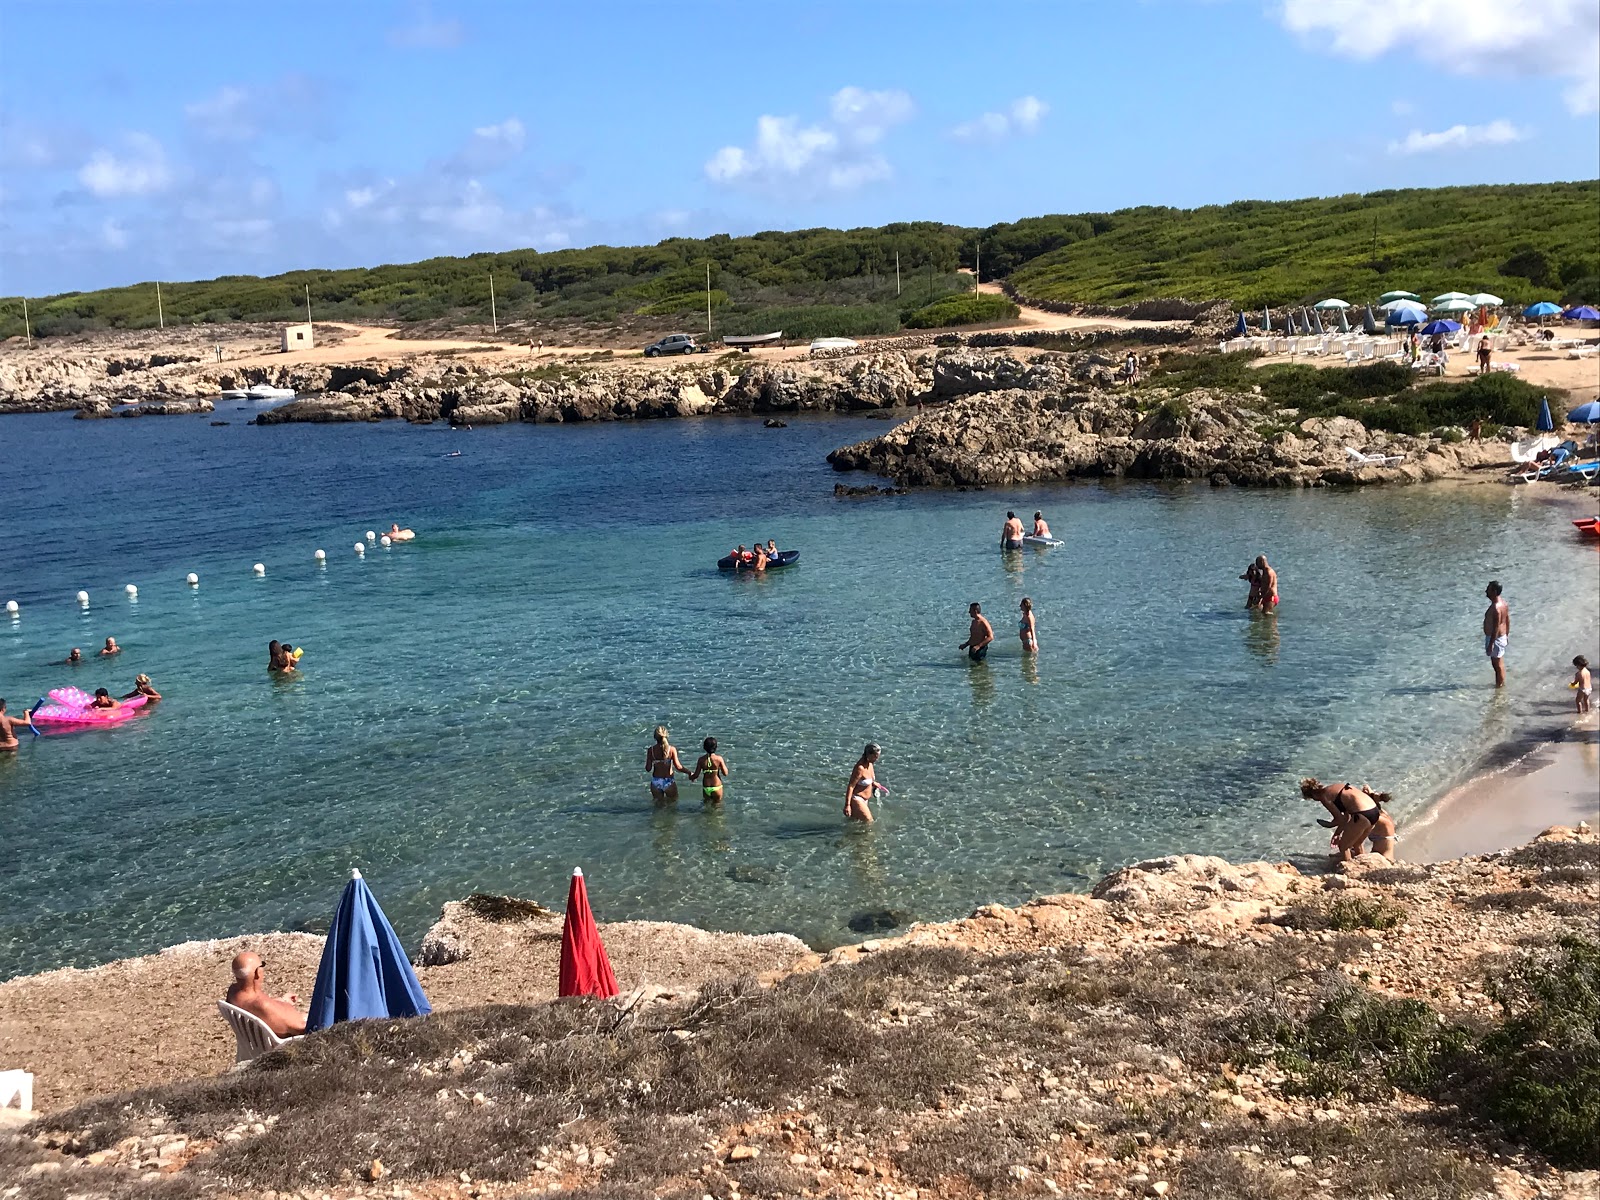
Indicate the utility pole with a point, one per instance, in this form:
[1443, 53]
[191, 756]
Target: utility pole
[897, 272]
[27, 329]
[708, 299]
[977, 264]
[161, 320]
[308, 304]
[494, 320]
[930, 281]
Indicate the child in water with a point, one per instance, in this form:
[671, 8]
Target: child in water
[711, 770]
[1582, 682]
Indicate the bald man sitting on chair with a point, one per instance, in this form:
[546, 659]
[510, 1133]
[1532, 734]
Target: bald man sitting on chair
[248, 992]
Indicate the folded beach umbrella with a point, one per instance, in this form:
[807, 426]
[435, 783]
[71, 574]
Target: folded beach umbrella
[1344, 322]
[1240, 327]
[1325, 305]
[1542, 309]
[364, 971]
[1486, 300]
[1582, 313]
[1316, 317]
[1586, 414]
[1388, 296]
[1369, 323]
[1545, 424]
[1266, 320]
[1433, 327]
[585, 970]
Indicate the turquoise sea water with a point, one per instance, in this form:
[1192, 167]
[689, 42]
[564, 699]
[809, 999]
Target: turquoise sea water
[474, 707]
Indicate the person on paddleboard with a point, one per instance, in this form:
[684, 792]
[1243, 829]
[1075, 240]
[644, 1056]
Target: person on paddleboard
[1011, 533]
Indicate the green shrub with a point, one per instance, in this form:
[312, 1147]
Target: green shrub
[802, 323]
[973, 308]
[1346, 913]
[1360, 1045]
[692, 302]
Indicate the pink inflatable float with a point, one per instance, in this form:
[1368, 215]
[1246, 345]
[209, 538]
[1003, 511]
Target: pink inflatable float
[73, 708]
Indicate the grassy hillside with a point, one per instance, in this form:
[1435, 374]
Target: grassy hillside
[1539, 241]
[1522, 242]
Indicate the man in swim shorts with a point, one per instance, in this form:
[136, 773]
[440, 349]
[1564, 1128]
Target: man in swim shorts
[1011, 533]
[1496, 629]
[979, 634]
[8, 728]
[1266, 584]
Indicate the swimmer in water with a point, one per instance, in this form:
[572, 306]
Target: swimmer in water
[1011, 533]
[711, 770]
[1040, 527]
[661, 760]
[75, 658]
[8, 727]
[104, 699]
[1027, 630]
[278, 658]
[863, 782]
[110, 648]
[979, 634]
[142, 687]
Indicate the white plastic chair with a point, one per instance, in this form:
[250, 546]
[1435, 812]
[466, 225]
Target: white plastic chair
[16, 1086]
[253, 1037]
[1375, 460]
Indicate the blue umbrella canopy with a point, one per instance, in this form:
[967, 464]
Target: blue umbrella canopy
[1406, 316]
[1433, 327]
[364, 970]
[1542, 309]
[1582, 313]
[1240, 327]
[1545, 424]
[1586, 414]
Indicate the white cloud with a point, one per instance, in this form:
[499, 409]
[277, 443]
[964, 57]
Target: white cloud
[224, 116]
[1537, 39]
[142, 170]
[114, 234]
[834, 156]
[425, 32]
[1023, 116]
[1459, 137]
[243, 112]
[491, 147]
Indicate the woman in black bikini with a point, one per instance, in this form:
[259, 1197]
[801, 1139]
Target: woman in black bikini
[1357, 815]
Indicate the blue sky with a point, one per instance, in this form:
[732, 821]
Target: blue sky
[143, 140]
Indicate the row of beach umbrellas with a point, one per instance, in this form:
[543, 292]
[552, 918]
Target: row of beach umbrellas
[364, 972]
[1404, 308]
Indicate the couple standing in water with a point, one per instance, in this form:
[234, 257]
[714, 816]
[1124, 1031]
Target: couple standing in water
[1011, 532]
[663, 765]
[980, 634]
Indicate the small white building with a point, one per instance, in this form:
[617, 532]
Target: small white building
[296, 337]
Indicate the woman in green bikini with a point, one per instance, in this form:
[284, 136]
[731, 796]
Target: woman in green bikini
[711, 770]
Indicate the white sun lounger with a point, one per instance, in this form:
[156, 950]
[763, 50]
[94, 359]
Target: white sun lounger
[1375, 460]
[252, 1036]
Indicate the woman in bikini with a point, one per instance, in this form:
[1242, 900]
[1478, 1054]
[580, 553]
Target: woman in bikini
[863, 782]
[711, 770]
[1027, 630]
[661, 760]
[1357, 815]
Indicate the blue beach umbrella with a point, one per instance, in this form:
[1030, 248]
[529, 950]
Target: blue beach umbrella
[364, 971]
[1582, 313]
[1433, 327]
[1542, 309]
[1586, 414]
[1545, 424]
[1406, 316]
[1240, 327]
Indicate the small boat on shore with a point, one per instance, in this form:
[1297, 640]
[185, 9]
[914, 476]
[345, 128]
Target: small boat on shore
[1588, 525]
[748, 341]
[260, 391]
[786, 558]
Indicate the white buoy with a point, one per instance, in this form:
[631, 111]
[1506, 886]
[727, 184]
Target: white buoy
[371, 537]
[259, 569]
[320, 555]
[384, 541]
[83, 597]
[13, 607]
[192, 579]
[132, 591]
[361, 547]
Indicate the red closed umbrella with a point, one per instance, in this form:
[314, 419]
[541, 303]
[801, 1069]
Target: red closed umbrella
[585, 970]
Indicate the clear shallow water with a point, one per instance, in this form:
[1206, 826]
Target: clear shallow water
[474, 707]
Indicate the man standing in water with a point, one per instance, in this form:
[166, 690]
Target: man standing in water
[1266, 585]
[1496, 629]
[979, 635]
[1011, 533]
[8, 727]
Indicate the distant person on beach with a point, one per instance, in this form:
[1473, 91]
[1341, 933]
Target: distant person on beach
[8, 727]
[979, 634]
[863, 782]
[104, 699]
[1496, 630]
[142, 687]
[1130, 368]
[711, 770]
[249, 992]
[110, 648]
[1011, 533]
[74, 657]
[1027, 629]
[1040, 527]
[1357, 815]
[662, 761]
[1475, 434]
[1484, 352]
[1582, 683]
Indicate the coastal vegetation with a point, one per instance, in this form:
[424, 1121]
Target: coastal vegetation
[970, 308]
[1523, 242]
